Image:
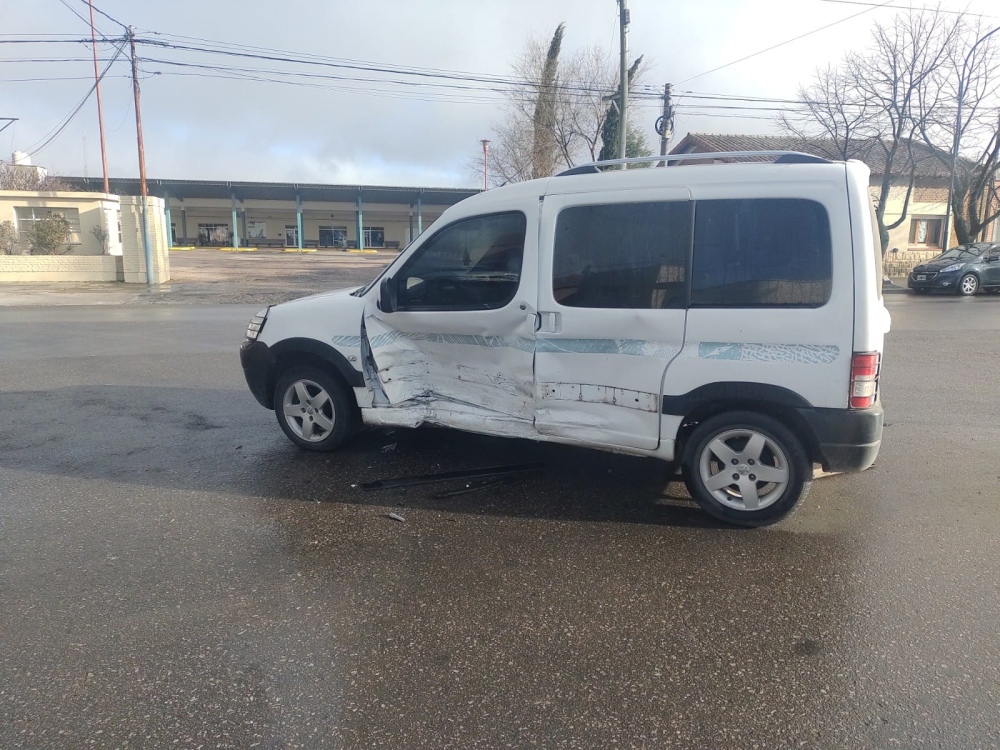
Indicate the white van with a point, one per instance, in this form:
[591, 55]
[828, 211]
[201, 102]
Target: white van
[726, 316]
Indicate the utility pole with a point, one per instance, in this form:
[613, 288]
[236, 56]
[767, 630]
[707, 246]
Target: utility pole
[623, 105]
[143, 191]
[665, 124]
[100, 111]
[486, 144]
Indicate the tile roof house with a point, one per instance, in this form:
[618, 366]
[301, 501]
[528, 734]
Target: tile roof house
[919, 235]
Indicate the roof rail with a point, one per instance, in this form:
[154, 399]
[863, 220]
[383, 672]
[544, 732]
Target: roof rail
[781, 157]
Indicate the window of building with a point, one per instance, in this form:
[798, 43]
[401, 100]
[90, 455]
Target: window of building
[256, 230]
[330, 236]
[214, 234]
[374, 236]
[473, 264]
[291, 235]
[761, 253]
[925, 232]
[622, 255]
[27, 215]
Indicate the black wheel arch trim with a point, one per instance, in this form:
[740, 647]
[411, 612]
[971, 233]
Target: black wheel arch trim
[327, 353]
[839, 439]
[711, 393]
[260, 364]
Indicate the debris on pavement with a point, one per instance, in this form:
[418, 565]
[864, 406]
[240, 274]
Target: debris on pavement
[447, 476]
[396, 517]
[470, 487]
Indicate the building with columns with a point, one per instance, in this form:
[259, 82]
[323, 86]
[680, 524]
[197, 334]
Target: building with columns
[294, 216]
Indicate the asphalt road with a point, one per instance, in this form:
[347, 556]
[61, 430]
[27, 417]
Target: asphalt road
[173, 573]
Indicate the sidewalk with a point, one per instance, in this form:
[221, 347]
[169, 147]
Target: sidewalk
[228, 291]
[898, 286]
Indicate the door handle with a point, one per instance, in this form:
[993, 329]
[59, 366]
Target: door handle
[550, 322]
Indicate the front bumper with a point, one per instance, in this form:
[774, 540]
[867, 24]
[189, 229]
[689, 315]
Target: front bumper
[847, 439]
[933, 280]
[258, 369]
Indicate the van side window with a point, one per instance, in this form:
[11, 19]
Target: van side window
[773, 252]
[473, 264]
[622, 255]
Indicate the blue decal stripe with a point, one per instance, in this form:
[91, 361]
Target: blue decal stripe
[627, 347]
[807, 354]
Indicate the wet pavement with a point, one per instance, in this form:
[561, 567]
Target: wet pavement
[173, 572]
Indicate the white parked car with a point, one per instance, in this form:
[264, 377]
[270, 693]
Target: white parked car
[726, 316]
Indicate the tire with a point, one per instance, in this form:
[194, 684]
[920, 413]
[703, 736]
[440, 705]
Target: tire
[315, 409]
[746, 440]
[968, 285]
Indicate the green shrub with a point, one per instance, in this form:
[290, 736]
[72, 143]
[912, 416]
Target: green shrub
[48, 236]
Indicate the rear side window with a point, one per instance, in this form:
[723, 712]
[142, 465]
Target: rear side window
[622, 255]
[773, 252]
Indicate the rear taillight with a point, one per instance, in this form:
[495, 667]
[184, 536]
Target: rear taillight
[864, 379]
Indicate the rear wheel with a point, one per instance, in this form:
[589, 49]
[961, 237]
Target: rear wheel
[315, 409]
[746, 468]
[968, 285]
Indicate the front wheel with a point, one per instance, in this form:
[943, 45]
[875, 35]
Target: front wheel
[968, 285]
[746, 468]
[314, 409]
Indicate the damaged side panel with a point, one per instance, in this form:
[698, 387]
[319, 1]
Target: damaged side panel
[461, 379]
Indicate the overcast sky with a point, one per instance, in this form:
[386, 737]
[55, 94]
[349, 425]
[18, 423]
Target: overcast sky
[201, 127]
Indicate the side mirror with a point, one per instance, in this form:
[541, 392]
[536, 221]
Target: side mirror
[387, 298]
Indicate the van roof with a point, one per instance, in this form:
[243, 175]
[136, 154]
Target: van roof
[591, 177]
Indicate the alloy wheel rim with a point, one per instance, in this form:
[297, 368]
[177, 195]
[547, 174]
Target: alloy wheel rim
[308, 410]
[744, 469]
[969, 284]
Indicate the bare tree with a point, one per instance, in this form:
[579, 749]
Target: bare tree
[554, 117]
[976, 198]
[19, 177]
[876, 103]
[837, 119]
[970, 76]
[103, 237]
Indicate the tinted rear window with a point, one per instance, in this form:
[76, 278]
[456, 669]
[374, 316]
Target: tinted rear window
[622, 255]
[773, 252]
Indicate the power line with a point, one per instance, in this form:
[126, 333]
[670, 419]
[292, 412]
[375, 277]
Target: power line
[911, 8]
[363, 66]
[48, 139]
[787, 41]
[110, 18]
[47, 80]
[49, 59]
[47, 40]
[72, 10]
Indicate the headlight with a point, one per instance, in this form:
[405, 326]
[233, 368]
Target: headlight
[257, 324]
[952, 267]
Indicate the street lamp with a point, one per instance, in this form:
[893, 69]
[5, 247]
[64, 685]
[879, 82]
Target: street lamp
[957, 140]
